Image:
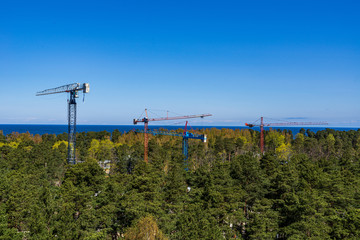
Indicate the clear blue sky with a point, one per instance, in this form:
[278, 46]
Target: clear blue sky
[238, 60]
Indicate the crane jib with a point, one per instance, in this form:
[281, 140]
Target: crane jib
[66, 88]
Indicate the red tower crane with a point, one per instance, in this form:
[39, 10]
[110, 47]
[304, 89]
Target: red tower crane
[146, 121]
[262, 125]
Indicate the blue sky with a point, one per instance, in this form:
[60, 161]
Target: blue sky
[238, 60]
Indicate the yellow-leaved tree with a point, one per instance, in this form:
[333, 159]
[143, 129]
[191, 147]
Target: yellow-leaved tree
[145, 229]
[101, 150]
[283, 151]
[58, 143]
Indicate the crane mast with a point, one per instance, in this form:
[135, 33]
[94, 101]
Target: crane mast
[146, 121]
[262, 125]
[73, 90]
[72, 128]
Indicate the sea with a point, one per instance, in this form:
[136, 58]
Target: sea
[59, 129]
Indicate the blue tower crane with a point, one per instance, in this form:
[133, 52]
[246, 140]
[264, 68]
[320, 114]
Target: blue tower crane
[73, 90]
[185, 142]
[146, 121]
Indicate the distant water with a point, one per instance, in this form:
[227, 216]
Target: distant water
[58, 129]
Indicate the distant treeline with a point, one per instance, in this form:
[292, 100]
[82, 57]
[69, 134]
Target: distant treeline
[303, 187]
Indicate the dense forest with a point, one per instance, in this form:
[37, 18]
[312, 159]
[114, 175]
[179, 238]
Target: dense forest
[303, 187]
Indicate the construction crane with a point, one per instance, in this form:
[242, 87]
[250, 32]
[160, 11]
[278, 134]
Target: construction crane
[185, 143]
[73, 90]
[146, 121]
[262, 125]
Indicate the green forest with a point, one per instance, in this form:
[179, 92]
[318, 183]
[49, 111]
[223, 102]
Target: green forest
[303, 187]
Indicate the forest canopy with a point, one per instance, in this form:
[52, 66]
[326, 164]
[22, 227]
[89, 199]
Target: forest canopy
[303, 187]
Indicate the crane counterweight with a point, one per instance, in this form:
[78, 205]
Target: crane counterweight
[86, 88]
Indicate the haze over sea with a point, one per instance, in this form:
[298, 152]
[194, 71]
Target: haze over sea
[58, 129]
